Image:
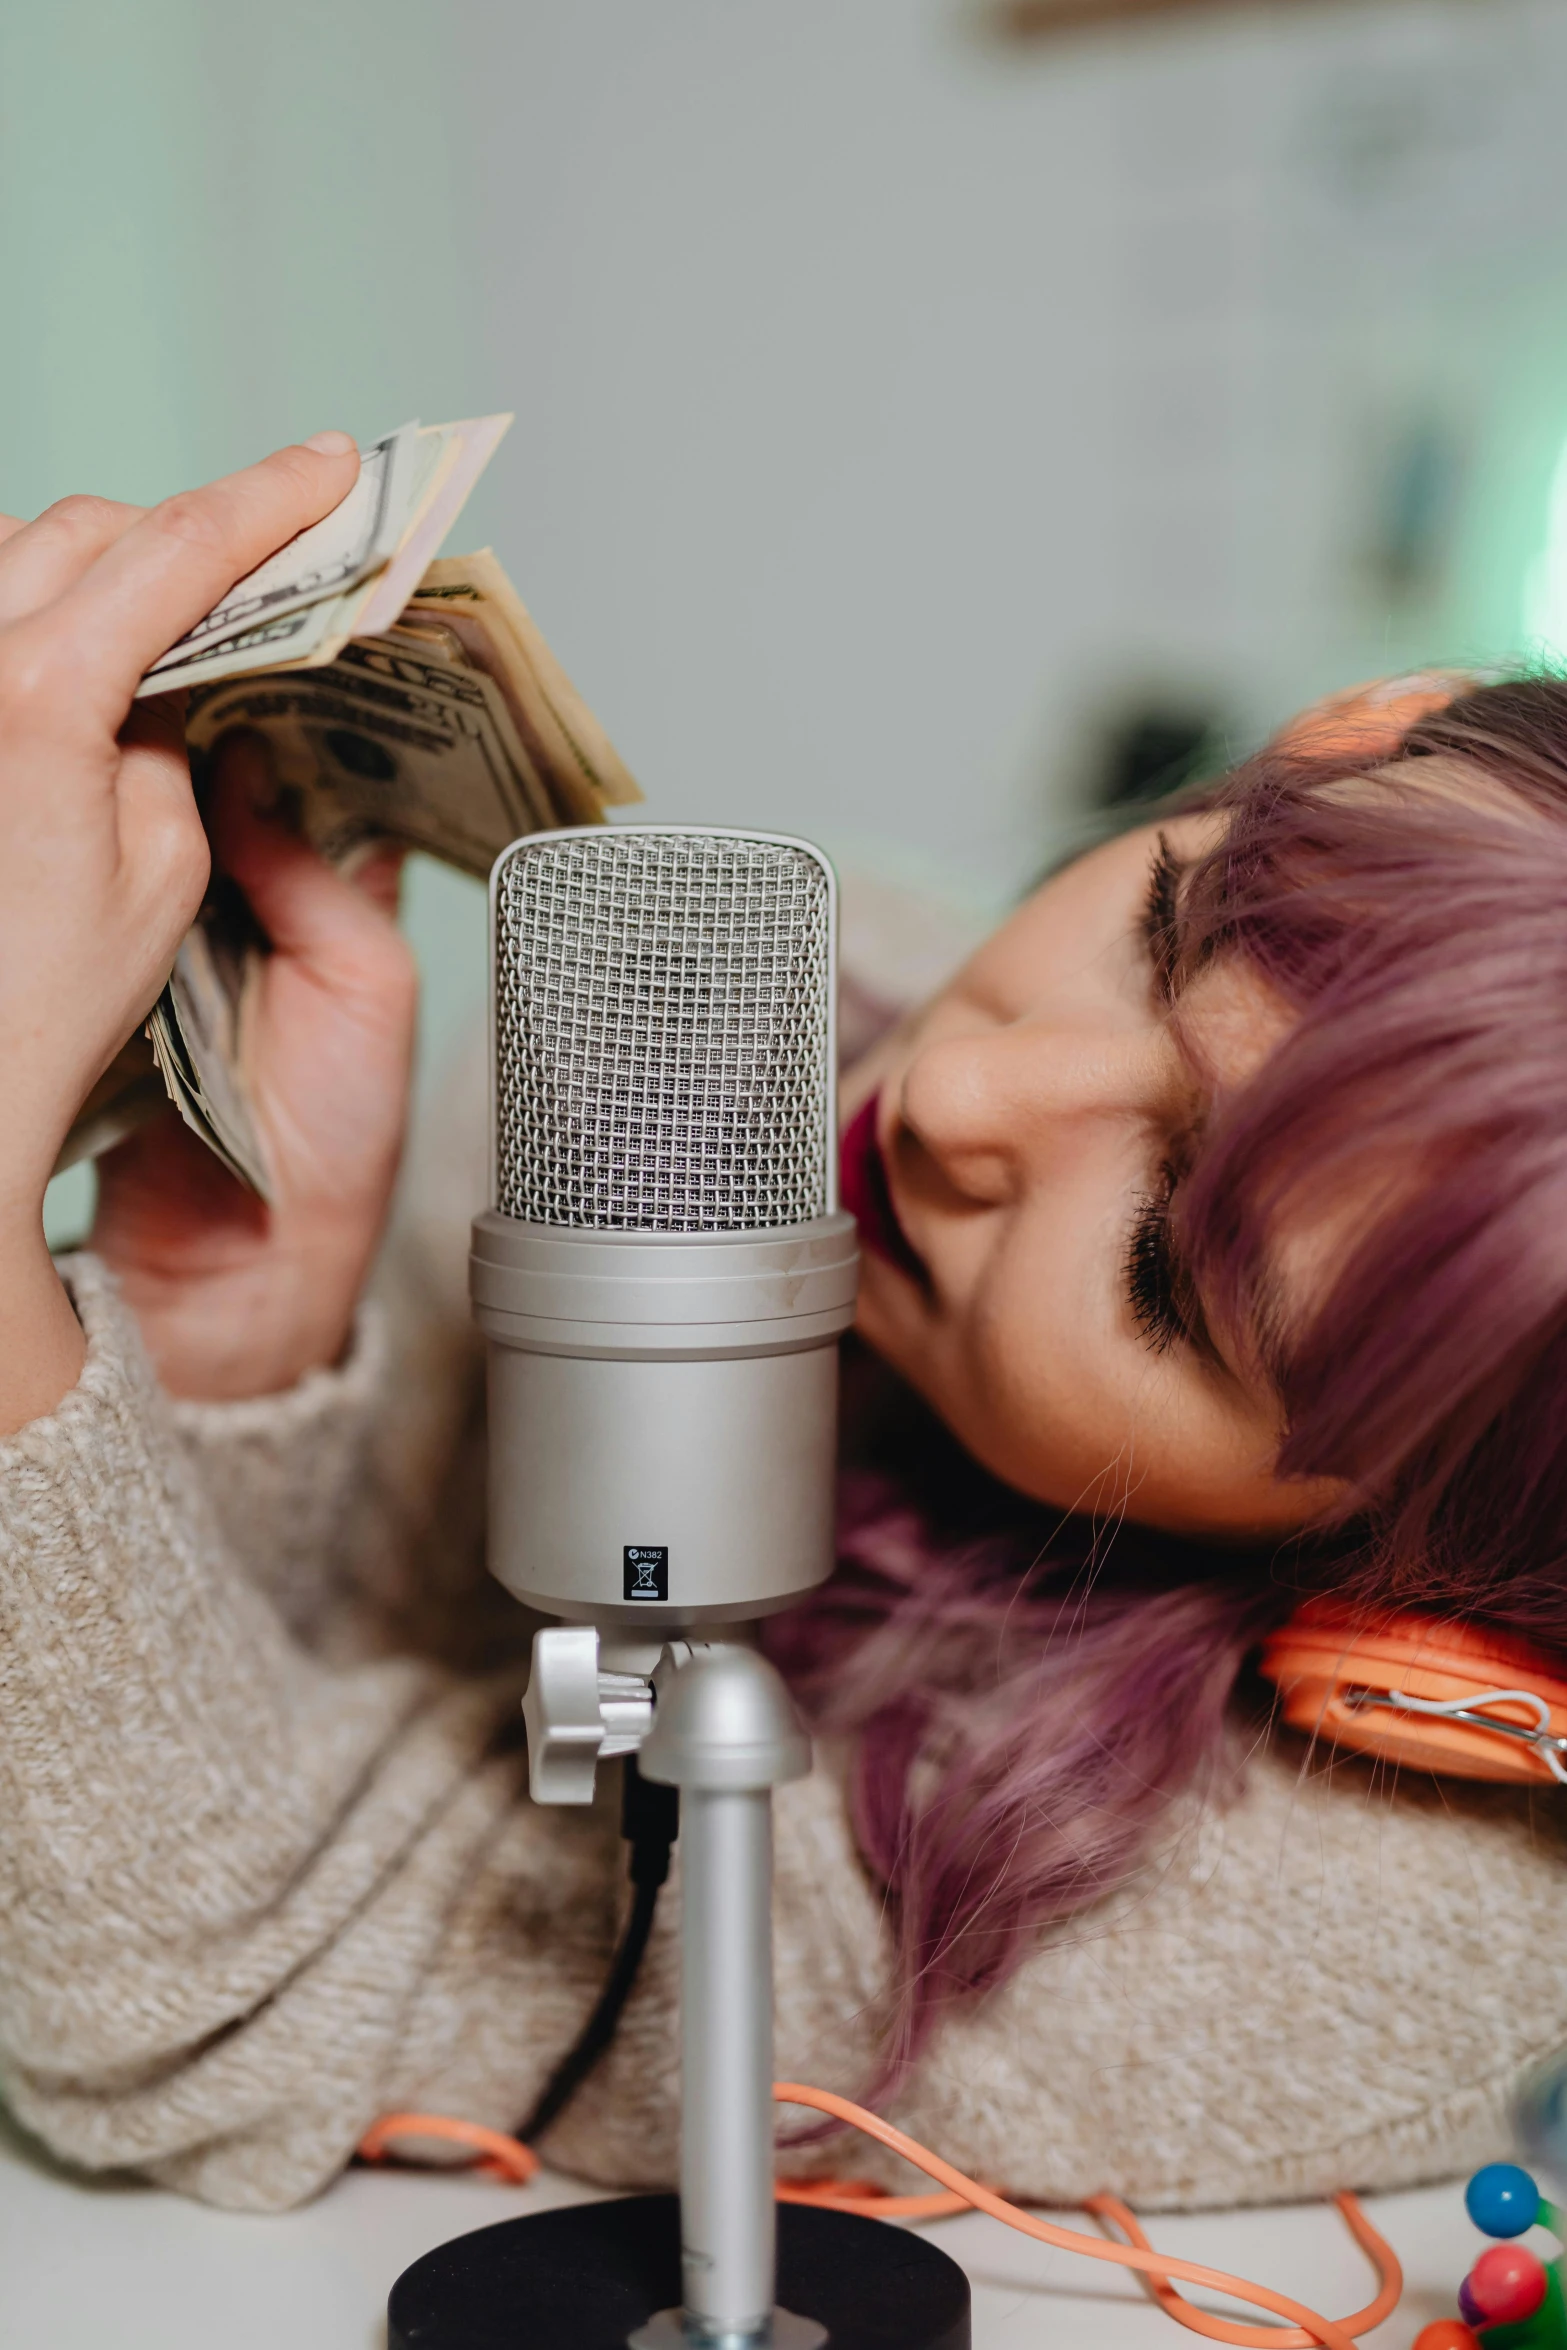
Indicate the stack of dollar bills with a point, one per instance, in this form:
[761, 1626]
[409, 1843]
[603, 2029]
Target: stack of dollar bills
[402, 697]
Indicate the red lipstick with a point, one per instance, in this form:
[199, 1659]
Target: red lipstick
[868, 1197]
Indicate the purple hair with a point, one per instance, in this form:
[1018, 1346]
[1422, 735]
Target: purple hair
[1023, 1697]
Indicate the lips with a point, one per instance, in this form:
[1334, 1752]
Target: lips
[868, 1197]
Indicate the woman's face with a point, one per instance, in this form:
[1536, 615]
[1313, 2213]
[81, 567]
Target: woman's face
[1010, 1151]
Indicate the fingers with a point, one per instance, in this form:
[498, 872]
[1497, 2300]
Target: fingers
[345, 932]
[169, 568]
[162, 841]
[40, 560]
[376, 871]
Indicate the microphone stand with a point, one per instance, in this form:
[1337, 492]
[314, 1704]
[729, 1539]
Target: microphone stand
[603, 2276]
[726, 1735]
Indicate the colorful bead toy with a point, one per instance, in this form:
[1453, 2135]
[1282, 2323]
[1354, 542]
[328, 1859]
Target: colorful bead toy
[1511, 2298]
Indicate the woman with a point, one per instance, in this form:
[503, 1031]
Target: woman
[1212, 1219]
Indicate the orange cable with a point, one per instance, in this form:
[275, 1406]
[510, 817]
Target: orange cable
[866, 2200]
[1376, 2248]
[1331, 2333]
[508, 2158]
[503, 2157]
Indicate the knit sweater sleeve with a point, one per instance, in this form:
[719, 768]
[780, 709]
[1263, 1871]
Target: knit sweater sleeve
[285, 1475]
[233, 1880]
[355, 1500]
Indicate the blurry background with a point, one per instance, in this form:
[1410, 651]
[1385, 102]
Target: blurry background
[930, 422]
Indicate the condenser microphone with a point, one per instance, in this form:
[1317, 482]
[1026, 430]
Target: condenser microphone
[663, 1275]
[664, 1271]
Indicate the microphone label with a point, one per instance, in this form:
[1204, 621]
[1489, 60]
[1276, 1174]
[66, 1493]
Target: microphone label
[647, 1570]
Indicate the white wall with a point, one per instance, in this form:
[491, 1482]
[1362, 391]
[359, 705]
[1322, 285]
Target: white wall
[889, 402]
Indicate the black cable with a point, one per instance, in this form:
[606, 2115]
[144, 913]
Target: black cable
[650, 1822]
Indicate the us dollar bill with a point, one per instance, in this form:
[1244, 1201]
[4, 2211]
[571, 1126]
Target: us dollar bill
[399, 738]
[472, 597]
[454, 730]
[196, 1037]
[339, 553]
[338, 580]
[188, 1055]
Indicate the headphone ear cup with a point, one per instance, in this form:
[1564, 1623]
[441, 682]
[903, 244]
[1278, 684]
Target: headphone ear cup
[1329, 1653]
[1371, 720]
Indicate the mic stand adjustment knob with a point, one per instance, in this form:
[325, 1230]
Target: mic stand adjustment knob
[577, 1714]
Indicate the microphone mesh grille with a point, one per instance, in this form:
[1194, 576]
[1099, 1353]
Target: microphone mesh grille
[662, 1032]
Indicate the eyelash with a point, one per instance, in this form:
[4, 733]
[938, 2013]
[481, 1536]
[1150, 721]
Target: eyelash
[1150, 1276]
[1151, 1285]
[1159, 915]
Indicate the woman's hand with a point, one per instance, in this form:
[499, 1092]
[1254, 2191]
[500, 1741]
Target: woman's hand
[103, 861]
[236, 1298]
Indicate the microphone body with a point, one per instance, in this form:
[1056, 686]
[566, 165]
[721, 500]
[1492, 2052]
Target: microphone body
[665, 1272]
[662, 1415]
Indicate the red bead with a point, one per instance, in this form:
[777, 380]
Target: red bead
[1446, 2333]
[1506, 2285]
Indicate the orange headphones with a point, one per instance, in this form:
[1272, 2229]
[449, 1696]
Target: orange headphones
[1410, 1688]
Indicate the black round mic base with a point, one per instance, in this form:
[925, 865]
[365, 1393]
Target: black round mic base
[582, 2278]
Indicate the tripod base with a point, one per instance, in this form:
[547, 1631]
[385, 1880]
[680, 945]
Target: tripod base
[583, 2278]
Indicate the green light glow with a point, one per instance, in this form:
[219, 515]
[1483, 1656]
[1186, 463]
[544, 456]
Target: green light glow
[1545, 583]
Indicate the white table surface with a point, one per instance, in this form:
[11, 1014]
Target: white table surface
[128, 2268]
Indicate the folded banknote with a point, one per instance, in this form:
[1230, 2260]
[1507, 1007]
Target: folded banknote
[401, 698]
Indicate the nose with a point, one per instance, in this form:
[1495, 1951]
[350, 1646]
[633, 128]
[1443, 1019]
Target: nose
[994, 1110]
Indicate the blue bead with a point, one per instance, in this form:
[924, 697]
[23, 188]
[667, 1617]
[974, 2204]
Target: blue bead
[1502, 2200]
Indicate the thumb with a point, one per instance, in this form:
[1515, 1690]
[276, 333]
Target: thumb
[342, 929]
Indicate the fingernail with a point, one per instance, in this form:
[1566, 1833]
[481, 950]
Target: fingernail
[377, 856]
[331, 444]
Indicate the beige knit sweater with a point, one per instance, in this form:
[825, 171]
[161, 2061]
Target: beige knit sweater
[268, 1866]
